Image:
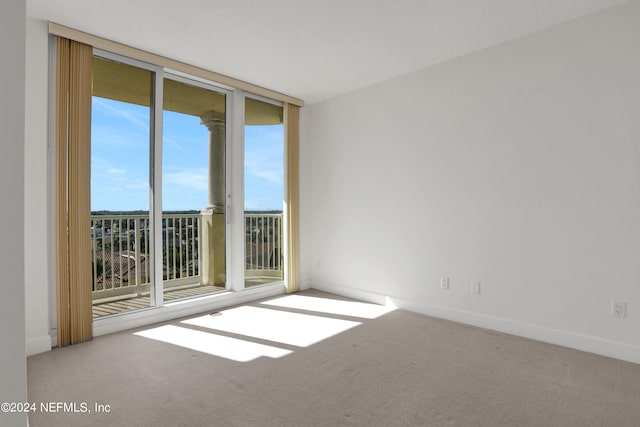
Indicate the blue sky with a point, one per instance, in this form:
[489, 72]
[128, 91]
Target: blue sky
[120, 160]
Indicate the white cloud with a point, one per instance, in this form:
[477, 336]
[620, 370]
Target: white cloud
[272, 175]
[196, 179]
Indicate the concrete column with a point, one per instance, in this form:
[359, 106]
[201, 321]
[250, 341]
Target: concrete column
[214, 121]
[213, 223]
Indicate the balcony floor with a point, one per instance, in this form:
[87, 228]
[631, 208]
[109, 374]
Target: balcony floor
[107, 308]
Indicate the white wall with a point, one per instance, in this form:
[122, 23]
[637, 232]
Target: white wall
[518, 166]
[13, 379]
[36, 213]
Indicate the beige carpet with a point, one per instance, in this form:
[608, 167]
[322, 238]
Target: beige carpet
[399, 369]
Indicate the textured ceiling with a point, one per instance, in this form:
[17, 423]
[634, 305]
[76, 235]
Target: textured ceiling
[312, 49]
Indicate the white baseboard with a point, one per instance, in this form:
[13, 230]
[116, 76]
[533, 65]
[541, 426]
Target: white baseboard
[588, 343]
[38, 345]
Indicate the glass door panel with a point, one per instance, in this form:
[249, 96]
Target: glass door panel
[193, 190]
[263, 192]
[122, 258]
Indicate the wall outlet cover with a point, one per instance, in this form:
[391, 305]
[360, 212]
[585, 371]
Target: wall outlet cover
[475, 288]
[618, 309]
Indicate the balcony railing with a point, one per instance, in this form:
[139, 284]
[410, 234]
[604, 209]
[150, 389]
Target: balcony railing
[263, 242]
[120, 253]
[121, 259]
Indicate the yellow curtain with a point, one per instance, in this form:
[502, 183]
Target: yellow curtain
[292, 125]
[73, 197]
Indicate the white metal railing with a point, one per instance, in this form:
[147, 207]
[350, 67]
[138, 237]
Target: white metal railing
[120, 246]
[180, 247]
[121, 256]
[263, 244]
[120, 251]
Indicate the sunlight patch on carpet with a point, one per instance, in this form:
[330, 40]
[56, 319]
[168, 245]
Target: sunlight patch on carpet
[331, 306]
[300, 330]
[210, 343]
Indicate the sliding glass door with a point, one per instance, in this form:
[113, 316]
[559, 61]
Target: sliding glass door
[263, 192]
[193, 189]
[160, 180]
[121, 130]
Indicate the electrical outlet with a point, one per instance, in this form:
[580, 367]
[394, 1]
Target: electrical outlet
[475, 288]
[444, 283]
[618, 309]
